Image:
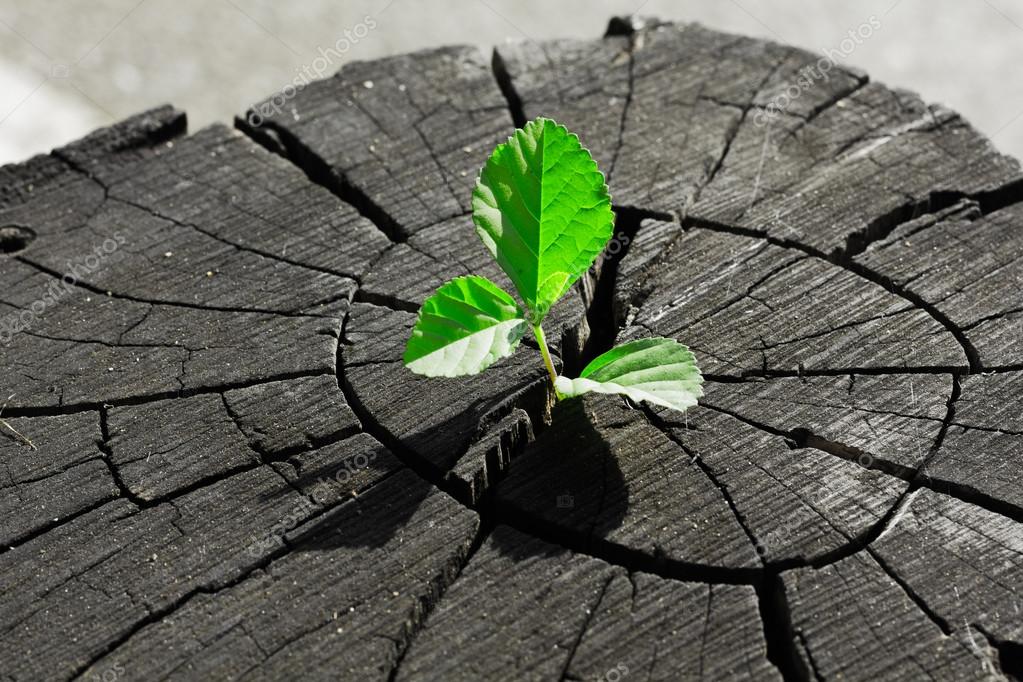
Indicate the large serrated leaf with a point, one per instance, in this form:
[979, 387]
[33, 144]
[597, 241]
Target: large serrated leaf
[543, 210]
[466, 326]
[659, 371]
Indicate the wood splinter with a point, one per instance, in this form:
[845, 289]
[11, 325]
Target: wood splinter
[18, 435]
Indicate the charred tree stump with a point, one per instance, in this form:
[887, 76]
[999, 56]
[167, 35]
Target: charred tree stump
[216, 467]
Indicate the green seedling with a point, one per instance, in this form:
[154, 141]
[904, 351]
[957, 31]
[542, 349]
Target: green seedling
[542, 208]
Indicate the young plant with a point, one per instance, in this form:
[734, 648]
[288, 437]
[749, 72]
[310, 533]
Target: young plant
[543, 210]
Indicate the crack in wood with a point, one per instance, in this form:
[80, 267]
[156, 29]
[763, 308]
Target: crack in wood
[94, 405]
[969, 350]
[321, 173]
[778, 631]
[91, 288]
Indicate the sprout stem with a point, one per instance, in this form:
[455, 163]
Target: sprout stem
[542, 341]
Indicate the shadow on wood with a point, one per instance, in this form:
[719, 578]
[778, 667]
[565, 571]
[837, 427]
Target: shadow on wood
[569, 478]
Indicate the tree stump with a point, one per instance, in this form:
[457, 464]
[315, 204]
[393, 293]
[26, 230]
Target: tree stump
[216, 467]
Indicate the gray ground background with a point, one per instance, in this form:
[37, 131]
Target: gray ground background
[69, 66]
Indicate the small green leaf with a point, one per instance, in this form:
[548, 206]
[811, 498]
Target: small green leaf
[543, 210]
[659, 371]
[466, 326]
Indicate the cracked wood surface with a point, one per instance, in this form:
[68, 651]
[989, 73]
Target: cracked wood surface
[231, 475]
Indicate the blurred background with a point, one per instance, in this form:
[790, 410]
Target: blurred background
[67, 67]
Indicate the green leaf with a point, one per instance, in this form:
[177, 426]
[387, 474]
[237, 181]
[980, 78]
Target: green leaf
[466, 326]
[543, 210]
[659, 371]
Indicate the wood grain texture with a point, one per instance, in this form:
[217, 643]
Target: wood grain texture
[936, 595]
[962, 261]
[525, 609]
[213, 463]
[756, 308]
[70, 478]
[338, 605]
[406, 135]
[981, 451]
[889, 422]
